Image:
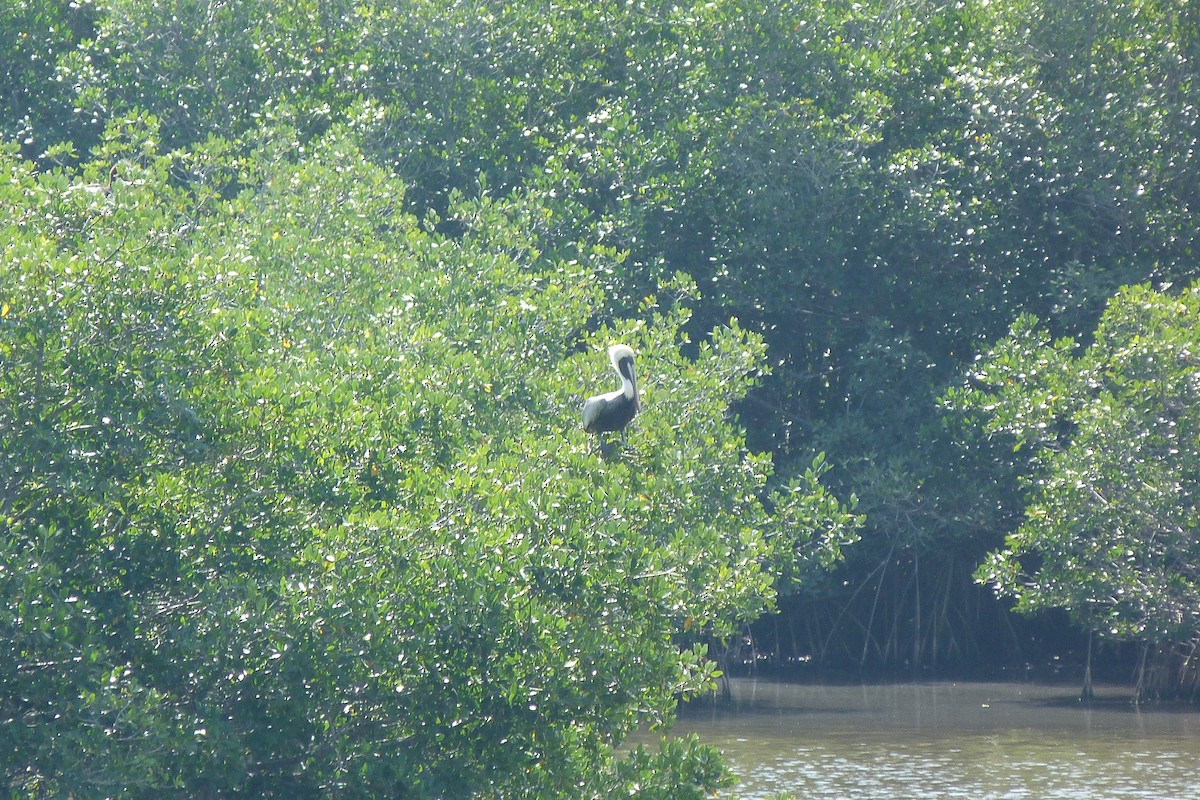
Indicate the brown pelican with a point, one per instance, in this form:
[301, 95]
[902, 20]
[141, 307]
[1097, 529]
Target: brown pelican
[612, 411]
[101, 189]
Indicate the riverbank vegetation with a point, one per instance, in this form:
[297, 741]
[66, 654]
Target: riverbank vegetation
[293, 491]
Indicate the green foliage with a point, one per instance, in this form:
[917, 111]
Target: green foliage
[34, 36]
[1107, 438]
[361, 261]
[210, 69]
[296, 499]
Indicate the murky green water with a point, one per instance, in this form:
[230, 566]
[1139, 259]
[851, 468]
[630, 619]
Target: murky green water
[968, 741]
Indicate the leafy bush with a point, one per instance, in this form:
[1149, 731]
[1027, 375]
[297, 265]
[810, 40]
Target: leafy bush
[1106, 438]
[296, 498]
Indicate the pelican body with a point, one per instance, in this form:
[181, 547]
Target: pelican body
[612, 411]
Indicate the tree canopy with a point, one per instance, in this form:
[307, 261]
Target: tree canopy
[1106, 439]
[296, 499]
[294, 496]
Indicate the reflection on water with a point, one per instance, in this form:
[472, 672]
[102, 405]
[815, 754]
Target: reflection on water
[968, 741]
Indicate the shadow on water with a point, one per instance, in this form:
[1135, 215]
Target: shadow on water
[948, 740]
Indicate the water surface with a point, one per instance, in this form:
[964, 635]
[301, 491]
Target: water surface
[969, 741]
